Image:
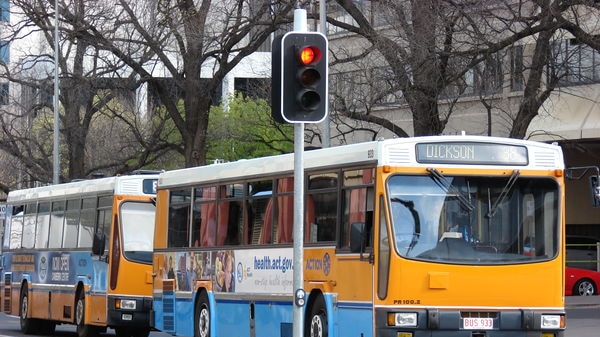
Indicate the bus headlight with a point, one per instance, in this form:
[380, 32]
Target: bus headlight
[125, 304]
[553, 321]
[405, 319]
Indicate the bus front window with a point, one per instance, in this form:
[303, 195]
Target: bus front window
[474, 219]
[137, 225]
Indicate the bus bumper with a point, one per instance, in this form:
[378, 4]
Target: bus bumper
[122, 312]
[452, 323]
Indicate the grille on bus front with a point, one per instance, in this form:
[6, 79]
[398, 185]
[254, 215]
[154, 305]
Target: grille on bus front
[7, 285]
[478, 314]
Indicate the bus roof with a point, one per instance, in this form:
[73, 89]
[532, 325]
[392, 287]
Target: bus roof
[127, 184]
[394, 152]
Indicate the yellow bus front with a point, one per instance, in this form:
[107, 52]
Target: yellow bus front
[129, 293]
[469, 252]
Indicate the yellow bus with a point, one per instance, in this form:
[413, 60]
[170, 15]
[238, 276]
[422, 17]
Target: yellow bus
[81, 253]
[428, 236]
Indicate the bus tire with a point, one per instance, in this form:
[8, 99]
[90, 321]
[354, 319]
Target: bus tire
[202, 316]
[83, 330]
[28, 325]
[316, 324]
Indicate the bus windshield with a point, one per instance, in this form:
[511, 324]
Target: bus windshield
[137, 222]
[474, 220]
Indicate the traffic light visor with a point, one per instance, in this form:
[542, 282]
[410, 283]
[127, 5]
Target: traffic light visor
[310, 55]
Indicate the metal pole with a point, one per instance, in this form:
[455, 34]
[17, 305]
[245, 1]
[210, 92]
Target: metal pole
[326, 125]
[298, 233]
[300, 25]
[56, 150]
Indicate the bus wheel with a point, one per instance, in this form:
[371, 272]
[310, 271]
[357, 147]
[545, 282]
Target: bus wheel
[83, 330]
[28, 325]
[202, 317]
[316, 325]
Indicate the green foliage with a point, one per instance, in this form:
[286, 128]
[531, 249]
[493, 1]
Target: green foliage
[244, 129]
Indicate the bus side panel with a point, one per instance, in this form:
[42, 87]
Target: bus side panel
[359, 313]
[350, 294]
[233, 319]
[62, 302]
[97, 294]
[273, 319]
[51, 278]
[184, 308]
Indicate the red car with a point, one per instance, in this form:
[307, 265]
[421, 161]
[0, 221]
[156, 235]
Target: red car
[581, 282]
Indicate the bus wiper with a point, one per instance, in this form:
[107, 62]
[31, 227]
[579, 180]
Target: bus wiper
[451, 189]
[509, 184]
[417, 230]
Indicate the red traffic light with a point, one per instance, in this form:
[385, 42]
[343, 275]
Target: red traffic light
[309, 55]
[299, 78]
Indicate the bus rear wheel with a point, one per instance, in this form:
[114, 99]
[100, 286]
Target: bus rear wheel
[83, 330]
[28, 325]
[316, 325]
[202, 316]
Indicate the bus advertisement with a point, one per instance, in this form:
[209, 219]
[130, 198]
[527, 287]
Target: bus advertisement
[80, 253]
[448, 236]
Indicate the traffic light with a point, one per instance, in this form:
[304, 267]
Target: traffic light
[299, 78]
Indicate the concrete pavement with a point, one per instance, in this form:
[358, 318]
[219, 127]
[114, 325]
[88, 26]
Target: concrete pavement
[582, 301]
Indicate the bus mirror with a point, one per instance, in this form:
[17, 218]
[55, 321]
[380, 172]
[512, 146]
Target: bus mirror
[571, 173]
[594, 182]
[98, 244]
[358, 237]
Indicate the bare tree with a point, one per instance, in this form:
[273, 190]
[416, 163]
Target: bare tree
[194, 44]
[429, 50]
[90, 85]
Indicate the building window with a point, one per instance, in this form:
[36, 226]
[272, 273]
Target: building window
[573, 63]
[255, 88]
[4, 10]
[4, 52]
[3, 93]
[517, 82]
[485, 78]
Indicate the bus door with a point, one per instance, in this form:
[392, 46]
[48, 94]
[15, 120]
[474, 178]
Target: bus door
[130, 264]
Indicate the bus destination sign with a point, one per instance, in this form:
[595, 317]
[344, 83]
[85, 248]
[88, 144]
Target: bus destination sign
[471, 153]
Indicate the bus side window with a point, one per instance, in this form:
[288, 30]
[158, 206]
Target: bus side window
[358, 202]
[229, 215]
[57, 220]
[260, 194]
[29, 226]
[16, 227]
[321, 207]
[179, 213]
[279, 214]
[43, 225]
[234, 224]
[71, 223]
[87, 223]
[284, 219]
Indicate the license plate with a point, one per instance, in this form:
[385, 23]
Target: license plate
[478, 323]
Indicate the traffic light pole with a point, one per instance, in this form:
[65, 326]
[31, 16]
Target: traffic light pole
[299, 295]
[300, 25]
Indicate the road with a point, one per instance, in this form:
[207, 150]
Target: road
[583, 320]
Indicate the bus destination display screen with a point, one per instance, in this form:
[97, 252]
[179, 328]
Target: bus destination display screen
[471, 153]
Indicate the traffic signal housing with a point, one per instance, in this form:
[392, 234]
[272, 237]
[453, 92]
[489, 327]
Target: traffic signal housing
[299, 78]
